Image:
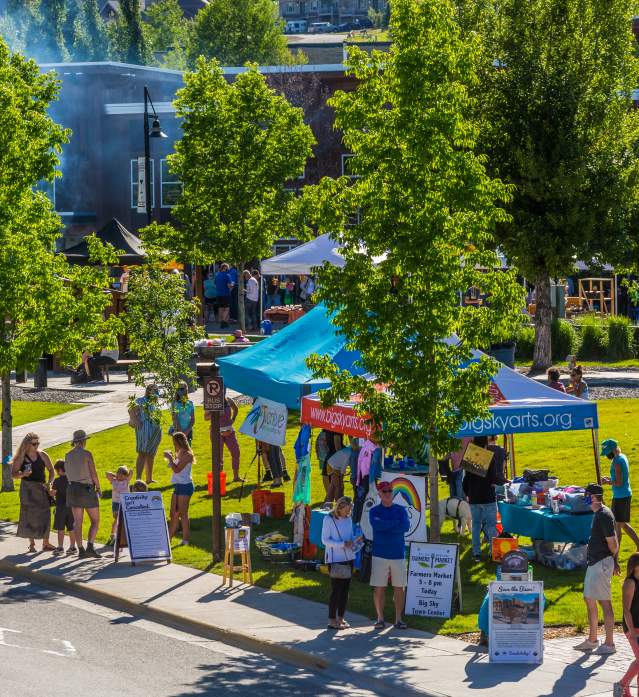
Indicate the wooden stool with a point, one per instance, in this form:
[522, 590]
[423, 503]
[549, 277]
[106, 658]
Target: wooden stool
[229, 559]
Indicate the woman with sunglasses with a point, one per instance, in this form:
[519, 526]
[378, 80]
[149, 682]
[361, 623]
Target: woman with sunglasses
[29, 466]
[578, 386]
[337, 538]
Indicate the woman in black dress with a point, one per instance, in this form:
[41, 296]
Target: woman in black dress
[30, 465]
[630, 598]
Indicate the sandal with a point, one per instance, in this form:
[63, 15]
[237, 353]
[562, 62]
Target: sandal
[344, 625]
[400, 625]
[48, 548]
[32, 549]
[332, 626]
[380, 624]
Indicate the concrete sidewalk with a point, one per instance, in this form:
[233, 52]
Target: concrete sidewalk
[293, 629]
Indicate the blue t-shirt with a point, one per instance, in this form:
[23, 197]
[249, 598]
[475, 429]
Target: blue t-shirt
[222, 279]
[233, 275]
[620, 490]
[184, 412]
[389, 524]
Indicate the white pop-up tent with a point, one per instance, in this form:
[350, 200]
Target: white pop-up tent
[302, 259]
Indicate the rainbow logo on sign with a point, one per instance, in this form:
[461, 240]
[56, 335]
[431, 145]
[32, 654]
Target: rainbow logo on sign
[407, 489]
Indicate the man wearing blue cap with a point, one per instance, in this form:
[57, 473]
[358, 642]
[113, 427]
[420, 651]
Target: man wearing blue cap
[619, 479]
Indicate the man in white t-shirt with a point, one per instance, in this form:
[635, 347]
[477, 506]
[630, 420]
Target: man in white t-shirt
[251, 300]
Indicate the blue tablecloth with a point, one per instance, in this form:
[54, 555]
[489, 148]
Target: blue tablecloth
[483, 619]
[543, 524]
[315, 529]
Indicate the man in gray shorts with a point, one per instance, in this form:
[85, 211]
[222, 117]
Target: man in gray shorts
[602, 563]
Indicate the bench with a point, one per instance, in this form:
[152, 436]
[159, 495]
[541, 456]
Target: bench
[200, 368]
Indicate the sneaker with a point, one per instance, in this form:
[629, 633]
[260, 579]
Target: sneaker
[58, 551]
[91, 552]
[286, 476]
[72, 550]
[268, 477]
[606, 650]
[82, 552]
[476, 557]
[184, 543]
[110, 542]
[586, 645]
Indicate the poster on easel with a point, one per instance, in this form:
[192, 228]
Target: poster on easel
[516, 615]
[144, 520]
[432, 569]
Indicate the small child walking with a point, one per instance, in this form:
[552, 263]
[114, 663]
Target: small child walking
[63, 517]
[120, 485]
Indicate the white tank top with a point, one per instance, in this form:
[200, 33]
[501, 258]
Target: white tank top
[183, 477]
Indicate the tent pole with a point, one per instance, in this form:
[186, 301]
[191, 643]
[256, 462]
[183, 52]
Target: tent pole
[511, 448]
[595, 447]
[261, 298]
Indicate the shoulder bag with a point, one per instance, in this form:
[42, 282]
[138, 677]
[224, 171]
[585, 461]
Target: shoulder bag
[340, 569]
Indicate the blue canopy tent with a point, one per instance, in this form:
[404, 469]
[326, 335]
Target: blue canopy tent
[276, 369]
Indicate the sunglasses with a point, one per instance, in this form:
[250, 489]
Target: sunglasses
[385, 491]
[34, 442]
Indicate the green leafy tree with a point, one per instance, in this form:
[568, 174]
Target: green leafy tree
[47, 305]
[161, 325]
[559, 124]
[239, 31]
[428, 209]
[126, 35]
[165, 26]
[89, 36]
[46, 42]
[241, 142]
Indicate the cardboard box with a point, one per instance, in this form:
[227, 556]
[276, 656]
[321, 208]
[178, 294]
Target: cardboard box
[501, 545]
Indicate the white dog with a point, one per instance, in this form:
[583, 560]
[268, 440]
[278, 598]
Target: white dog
[459, 511]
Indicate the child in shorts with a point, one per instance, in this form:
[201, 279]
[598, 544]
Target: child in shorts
[63, 517]
[120, 485]
[139, 486]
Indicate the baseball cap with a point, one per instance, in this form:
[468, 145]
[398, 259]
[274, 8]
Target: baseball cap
[608, 446]
[384, 485]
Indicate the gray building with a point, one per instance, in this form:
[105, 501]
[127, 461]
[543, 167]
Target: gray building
[334, 11]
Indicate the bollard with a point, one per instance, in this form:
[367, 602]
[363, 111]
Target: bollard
[40, 377]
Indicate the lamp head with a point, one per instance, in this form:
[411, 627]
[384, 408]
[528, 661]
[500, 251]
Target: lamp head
[156, 131]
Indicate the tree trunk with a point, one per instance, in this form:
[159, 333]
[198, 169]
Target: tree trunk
[433, 477]
[542, 356]
[241, 316]
[7, 423]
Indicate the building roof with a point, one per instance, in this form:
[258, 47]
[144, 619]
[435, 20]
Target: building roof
[112, 233]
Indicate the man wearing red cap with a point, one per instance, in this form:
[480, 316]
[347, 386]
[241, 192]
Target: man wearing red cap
[390, 523]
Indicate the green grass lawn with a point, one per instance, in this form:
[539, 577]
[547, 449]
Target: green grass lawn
[628, 363]
[568, 455]
[26, 412]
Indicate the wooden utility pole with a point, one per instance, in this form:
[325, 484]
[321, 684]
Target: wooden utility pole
[214, 404]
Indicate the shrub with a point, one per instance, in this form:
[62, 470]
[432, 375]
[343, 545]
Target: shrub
[594, 339]
[564, 339]
[620, 339]
[525, 343]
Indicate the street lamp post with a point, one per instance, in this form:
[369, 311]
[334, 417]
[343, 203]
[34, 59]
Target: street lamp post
[154, 132]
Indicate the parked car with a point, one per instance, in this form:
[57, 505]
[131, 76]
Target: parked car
[296, 26]
[320, 28]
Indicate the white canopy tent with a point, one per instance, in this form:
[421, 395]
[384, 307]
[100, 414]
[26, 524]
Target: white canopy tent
[302, 259]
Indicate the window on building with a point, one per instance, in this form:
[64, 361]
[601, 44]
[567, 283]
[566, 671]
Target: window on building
[291, 9]
[346, 166]
[170, 186]
[134, 183]
[354, 218]
[285, 245]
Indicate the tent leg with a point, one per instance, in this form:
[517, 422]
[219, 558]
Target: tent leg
[261, 299]
[511, 450]
[595, 447]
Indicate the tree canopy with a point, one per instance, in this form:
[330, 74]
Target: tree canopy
[559, 124]
[426, 209]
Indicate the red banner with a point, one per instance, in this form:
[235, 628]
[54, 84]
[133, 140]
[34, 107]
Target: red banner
[339, 418]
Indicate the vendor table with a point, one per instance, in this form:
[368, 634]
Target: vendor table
[543, 524]
[285, 313]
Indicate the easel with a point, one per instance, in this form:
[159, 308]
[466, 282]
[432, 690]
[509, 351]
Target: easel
[229, 560]
[120, 538]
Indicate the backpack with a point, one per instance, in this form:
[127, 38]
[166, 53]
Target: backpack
[322, 449]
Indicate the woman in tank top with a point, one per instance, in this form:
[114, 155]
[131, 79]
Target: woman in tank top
[30, 465]
[181, 463]
[630, 597]
[83, 492]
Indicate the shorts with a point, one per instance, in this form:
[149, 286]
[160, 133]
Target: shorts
[597, 581]
[63, 519]
[382, 568]
[115, 508]
[82, 495]
[621, 509]
[184, 489]
[223, 301]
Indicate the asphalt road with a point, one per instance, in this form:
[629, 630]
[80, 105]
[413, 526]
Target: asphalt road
[54, 645]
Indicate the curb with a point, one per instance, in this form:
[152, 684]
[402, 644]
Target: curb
[286, 654]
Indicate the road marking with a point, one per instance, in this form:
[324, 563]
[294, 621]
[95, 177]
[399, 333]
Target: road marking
[67, 649]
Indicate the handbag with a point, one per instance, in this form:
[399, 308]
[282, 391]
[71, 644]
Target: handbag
[340, 569]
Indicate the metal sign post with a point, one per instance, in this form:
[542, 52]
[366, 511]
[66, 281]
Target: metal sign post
[214, 404]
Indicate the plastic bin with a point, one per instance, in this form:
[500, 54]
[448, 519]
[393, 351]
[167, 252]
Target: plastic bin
[259, 501]
[275, 504]
[209, 476]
